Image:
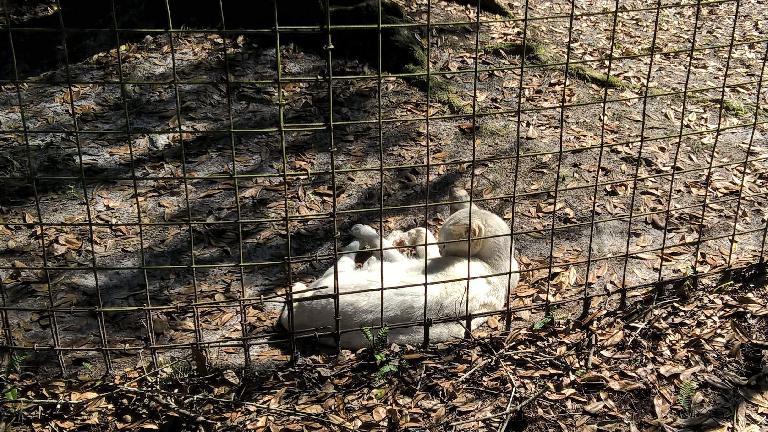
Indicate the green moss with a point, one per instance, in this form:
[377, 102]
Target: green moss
[439, 89]
[453, 101]
[596, 77]
[414, 53]
[735, 108]
[654, 91]
[496, 129]
[399, 42]
[534, 51]
[420, 81]
[538, 53]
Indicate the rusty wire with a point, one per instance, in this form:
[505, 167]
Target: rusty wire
[107, 347]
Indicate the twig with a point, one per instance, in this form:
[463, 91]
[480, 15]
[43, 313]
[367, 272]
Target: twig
[655, 306]
[518, 407]
[286, 411]
[591, 341]
[477, 366]
[421, 375]
[503, 426]
[482, 390]
[503, 364]
[152, 372]
[43, 401]
[166, 403]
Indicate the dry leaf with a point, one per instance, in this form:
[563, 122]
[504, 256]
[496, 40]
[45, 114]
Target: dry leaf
[379, 413]
[661, 407]
[493, 322]
[625, 386]
[614, 339]
[467, 127]
[595, 407]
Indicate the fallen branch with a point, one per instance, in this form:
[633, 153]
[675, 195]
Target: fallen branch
[503, 426]
[469, 372]
[150, 394]
[518, 407]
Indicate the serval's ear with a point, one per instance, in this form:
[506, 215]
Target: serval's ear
[463, 231]
[478, 230]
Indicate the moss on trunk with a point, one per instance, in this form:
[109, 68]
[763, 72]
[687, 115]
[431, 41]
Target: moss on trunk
[537, 53]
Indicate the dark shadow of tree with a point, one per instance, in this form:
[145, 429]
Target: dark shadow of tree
[216, 243]
[89, 29]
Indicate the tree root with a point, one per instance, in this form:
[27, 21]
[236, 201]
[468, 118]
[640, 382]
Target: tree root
[537, 53]
[439, 89]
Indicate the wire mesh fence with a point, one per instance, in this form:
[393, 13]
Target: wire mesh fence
[170, 170]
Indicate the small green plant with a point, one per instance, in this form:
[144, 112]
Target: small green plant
[545, 321]
[377, 340]
[8, 391]
[385, 361]
[11, 394]
[550, 318]
[725, 286]
[174, 371]
[685, 394]
[181, 371]
[15, 362]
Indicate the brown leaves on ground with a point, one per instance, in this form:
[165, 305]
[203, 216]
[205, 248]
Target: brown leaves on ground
[664, 364]
[689, 361]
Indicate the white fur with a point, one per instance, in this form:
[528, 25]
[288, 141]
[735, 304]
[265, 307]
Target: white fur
[403, 305]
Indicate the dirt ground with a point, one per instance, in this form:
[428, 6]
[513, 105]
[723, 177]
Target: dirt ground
[566, 171]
